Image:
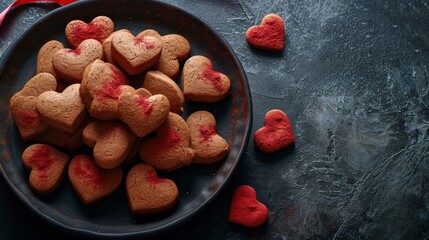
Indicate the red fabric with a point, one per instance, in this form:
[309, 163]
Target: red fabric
[21, 2]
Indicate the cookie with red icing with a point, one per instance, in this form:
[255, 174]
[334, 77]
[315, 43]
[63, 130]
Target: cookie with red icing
[209, 146]
[276, 134]
[91, 182]
[99, 29]
[70, 64]
[135, 54]
[270, 35]
[102, 85]
[112, 142]
[47, 167]
[64, 111]
[142, 112]
[156, 82]
[170, 147]
[245, 209]
[201, 83]
[147, 193]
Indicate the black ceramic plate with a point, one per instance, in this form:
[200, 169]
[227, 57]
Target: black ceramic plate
[197, 184]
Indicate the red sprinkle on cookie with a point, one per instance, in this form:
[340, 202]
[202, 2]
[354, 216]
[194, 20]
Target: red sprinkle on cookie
[91, 182]
[245, 209]
[270, 35]
[47, 166]
[276, 134]
[147, 193]
[99, 29]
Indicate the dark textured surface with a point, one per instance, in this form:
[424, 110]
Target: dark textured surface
[354, 81]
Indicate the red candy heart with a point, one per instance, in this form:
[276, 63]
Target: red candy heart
[276, 134]
[245, 209]
[270, 35]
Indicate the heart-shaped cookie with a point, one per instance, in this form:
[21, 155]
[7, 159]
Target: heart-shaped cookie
[47, 167]
[91, 182]
[111, 141]
[101, 86]
[64, 111]
[175, 49]
[99, 29]
[245, 209]
[157, 82]
[276, 134]
[170, 148]
[142, 113]
[37, 85]
[27, 119]
[135, 54]
[270, 35]
[209, 146]
[148, 194]
[201, 83]
[70, 64]
[107, 47]
[44, 58]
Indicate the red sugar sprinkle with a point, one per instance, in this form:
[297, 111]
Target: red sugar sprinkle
[152, 177]
[112, 88]
[42, 160]
[142, 41]
[166, 139]
[213, 77]
[85, 168]
[145, 104]
[206, 132]
[83, 31]
[28, 118]
[75, 52]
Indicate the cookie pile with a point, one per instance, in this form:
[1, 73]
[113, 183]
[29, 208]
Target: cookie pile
[86, 95]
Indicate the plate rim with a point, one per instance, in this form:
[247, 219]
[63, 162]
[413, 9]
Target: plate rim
[180, 220]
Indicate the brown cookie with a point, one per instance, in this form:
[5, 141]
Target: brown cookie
[101, 86]
[99, 29]
[90, 182]
[27, 119]
[37, 85]
[70, 64]
[107, 47]
[148, 194]
[201, 83]
[64, 111]
[112, 142]
[142, 113]
[47, 167]
[209, 146]
[170, 148]
[157, 82]
[135, 54]
[44, 58]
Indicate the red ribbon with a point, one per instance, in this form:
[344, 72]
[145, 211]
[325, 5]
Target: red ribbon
[21, 2]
